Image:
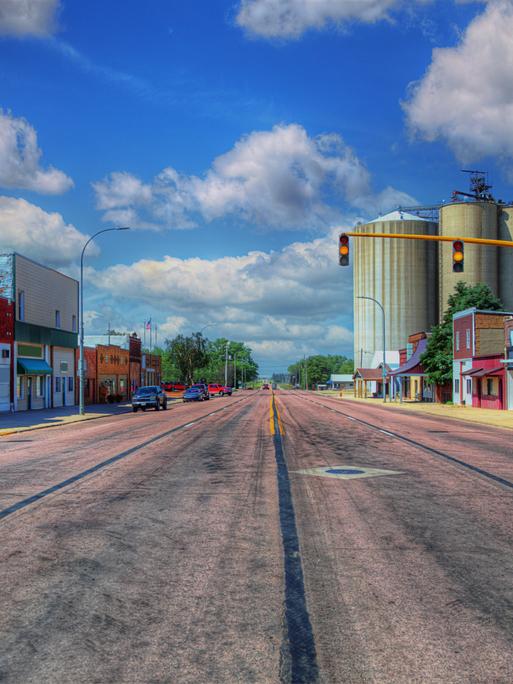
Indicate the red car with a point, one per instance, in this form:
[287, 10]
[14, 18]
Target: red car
[173, 387]
[226, 390]
[215, 390]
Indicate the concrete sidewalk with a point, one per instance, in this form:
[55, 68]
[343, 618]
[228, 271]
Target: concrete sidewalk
[24, 421]
[502, 419]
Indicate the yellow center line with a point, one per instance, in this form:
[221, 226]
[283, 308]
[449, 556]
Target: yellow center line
[271, 415]
[280, 424]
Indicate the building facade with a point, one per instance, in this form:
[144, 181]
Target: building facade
[43, 304]
[479, 376]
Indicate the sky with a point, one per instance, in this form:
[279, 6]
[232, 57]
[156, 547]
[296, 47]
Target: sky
[236, 139]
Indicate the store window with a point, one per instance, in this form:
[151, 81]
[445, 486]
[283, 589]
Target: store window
[6, 353]
[489, 386]
[19, 387]
[457, 340]
[469, 386]
[457, 386]
[70, 383]
[57, 384]
[41, 386]
[57, 318]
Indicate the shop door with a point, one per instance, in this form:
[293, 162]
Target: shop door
[5, 377]
[29, 392]
[510, 389]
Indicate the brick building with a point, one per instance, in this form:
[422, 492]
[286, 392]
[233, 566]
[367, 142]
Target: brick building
[479, 376]
[151, 369]
[112, 369]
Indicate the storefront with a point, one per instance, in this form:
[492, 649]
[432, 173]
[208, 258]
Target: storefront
[112, 368]
[63, 364]
[32, 383]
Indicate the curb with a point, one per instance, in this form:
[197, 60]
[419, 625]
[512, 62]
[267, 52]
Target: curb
[15, 431]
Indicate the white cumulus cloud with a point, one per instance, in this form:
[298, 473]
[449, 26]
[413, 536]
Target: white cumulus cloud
[466, 95]
[20, 156]
[35, 233]
[291, 18]
[28, 17]
[279, 178]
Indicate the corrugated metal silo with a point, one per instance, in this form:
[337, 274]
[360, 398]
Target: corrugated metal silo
[506, 258]
[402, 275]
[468, 219]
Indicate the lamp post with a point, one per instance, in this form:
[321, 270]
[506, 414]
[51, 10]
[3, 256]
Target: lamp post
[226, 365]
[81, 408]
[384, 344]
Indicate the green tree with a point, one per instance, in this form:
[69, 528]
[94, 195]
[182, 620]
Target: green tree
[170, 372]
[239, 359]
[438, 357]
[319, 368]
[188, 355]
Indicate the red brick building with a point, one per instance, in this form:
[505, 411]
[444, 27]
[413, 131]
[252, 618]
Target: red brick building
[6, 354]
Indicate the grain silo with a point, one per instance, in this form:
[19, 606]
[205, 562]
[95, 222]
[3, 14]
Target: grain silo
[468, 219]
[402, 275]
[506, 257]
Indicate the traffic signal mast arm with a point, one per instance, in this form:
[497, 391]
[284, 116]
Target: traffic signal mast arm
[436, 238]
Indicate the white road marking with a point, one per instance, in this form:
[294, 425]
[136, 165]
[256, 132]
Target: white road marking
[347, 472]
[189, 425]
[390, 434]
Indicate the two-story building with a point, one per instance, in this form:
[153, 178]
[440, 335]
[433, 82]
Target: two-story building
[45, 313]
[508, 361]
[479, 377]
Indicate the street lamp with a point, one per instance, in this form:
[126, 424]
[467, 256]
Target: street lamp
[81, 408]
[384, 343]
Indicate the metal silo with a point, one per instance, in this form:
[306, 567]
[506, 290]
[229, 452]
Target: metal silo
[402, 275]
[506, 258]
[468, 219]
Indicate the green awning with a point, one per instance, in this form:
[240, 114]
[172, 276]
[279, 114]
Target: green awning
[33, 367]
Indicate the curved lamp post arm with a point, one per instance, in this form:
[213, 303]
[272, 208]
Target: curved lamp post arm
[384, 374]
[81, 409]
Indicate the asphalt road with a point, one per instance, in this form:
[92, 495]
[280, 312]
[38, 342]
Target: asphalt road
[188, 546]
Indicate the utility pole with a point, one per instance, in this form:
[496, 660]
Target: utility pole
[235, 371]
[226, 365]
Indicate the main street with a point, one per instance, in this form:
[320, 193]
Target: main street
[250, 540]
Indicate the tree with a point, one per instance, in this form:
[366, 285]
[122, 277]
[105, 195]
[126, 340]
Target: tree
[319, 368]
[438, 357]
[239, 360]
[188, 354]
[170, 372]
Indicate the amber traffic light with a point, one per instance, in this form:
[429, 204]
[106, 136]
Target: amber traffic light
[343, 249]
[458, 256]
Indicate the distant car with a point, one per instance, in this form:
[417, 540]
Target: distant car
[198, 392]
[173, 386]
[226, 390]
[151, 396]
[266, 386]
[215, 389]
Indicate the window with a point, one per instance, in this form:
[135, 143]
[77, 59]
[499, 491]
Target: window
[467, 340]
[489, 386]
[458, 341]
[57, 384]
[19, 387]
[21, 305]
[457, 386]
[74, 323]
[41, 386]
[469, 386]
[5, 353]
[70, 383]
[57, 318]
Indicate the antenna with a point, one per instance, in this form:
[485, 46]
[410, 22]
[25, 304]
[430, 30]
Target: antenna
[479, 186]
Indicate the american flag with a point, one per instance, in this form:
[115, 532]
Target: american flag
[148, 325]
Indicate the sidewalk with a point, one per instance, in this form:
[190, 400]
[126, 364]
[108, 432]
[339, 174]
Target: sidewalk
[24, 421]
[502, 419]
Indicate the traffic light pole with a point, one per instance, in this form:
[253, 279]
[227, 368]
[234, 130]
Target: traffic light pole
[436, 238]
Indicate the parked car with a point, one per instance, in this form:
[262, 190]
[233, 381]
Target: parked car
[151, 396]
[215, 389]
[173, 386]
[198, 392]
[266, 386]
[226, 390]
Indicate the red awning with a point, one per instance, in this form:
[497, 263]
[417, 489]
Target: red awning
[481, 373]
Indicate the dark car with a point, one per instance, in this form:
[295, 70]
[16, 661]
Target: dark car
[226, 390]
[197, 392]
[265, 386]
[151, 396]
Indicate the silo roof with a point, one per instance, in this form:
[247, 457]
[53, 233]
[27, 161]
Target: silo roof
[399, 216]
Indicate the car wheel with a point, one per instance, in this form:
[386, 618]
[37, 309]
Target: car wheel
[143, 408]
[165, 406]
[221, 394]
[134, 409]
[157, 406]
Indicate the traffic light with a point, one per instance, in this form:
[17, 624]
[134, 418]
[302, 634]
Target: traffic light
[343, 249]
[458, 256]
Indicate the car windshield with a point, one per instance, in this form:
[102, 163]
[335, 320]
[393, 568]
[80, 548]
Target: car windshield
[194, 389]
[198, 387]
[146, 390]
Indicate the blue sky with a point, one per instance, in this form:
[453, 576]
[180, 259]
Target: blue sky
[235, 138]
